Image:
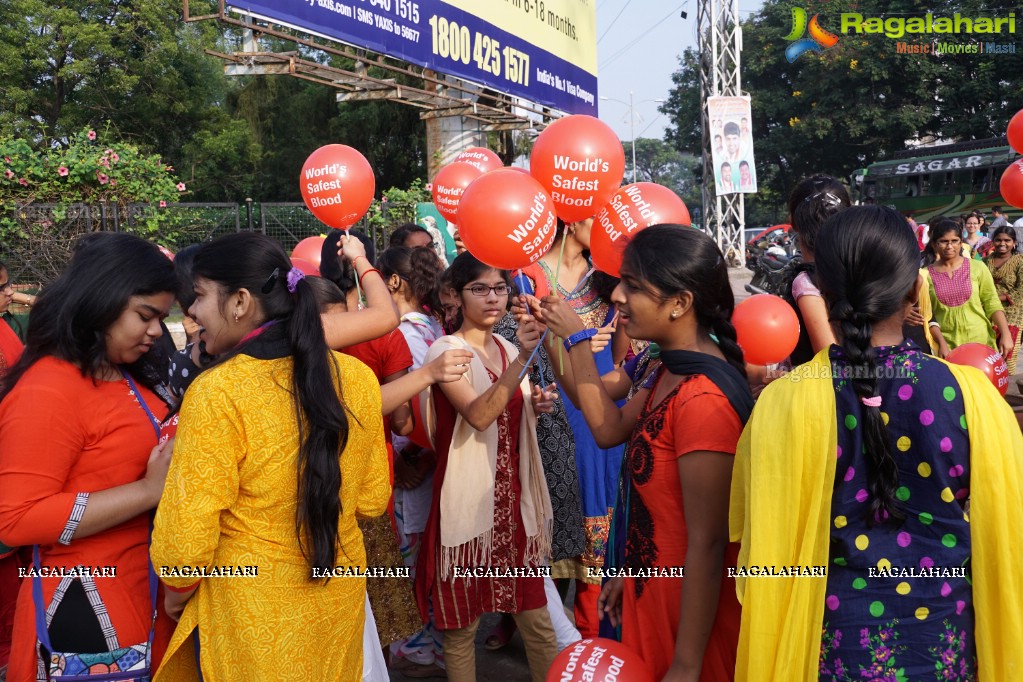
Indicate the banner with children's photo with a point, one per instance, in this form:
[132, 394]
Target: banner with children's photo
[732, 145]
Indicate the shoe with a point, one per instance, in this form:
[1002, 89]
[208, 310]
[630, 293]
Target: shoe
[501, 634]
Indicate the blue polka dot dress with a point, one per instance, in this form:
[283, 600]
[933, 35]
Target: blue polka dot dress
[899, 602]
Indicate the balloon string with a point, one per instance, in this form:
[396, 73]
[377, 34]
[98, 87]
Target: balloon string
[557, 286]
[358, 289]
[547, 331]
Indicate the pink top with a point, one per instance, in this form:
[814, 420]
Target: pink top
[802, 285]
[953, 290]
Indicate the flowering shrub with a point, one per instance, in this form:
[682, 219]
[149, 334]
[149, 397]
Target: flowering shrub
[42, 193]
[85, 171]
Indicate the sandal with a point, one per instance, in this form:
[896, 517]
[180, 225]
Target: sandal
[501, 634]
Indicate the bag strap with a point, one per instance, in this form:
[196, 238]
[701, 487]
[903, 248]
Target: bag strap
[142, 402]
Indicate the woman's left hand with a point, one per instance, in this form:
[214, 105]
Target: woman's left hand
[1005, 345]
[543, 398]
[174, 602]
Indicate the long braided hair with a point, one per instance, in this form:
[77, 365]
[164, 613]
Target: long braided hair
[677, 258]
[867, 258]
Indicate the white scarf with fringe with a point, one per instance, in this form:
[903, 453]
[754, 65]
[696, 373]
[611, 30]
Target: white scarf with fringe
[467, 492]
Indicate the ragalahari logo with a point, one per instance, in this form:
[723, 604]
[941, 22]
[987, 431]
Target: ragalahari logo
[819, 39]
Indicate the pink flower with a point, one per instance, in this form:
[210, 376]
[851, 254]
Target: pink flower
[22, 181]
[7, 159]
[103, 162]
[169, 168]
[62, 171]
[163, 204]
[102, 177]
[181, 187]
[114, 157]
[8, 174]
[108, 152]
[113, 183]
[91, 135]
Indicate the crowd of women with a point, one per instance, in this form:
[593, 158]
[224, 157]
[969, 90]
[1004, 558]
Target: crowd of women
[342, 474]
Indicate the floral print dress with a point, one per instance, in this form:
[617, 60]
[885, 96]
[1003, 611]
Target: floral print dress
[899, 602]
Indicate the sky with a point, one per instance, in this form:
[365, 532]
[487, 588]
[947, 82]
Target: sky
[638, 46]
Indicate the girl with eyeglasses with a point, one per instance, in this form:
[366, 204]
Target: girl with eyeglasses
[491, 510]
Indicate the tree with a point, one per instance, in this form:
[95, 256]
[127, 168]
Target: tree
[847, 106]
[659, 162]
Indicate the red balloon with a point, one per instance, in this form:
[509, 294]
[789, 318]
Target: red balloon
[632, 208]
[767, 329]
[986, 359]
[1011, 184]
[308, 250]
[1015, 132]
[506, 219]
[448, 186]
[581, 162]
[305, 266]
[481, 158]
[598, 660]
[337, 185]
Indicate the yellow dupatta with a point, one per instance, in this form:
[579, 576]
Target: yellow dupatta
[781, 509]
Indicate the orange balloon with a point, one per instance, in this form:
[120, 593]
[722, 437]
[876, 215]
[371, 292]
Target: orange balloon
[309, 250]
[986, 359]
[337, 185]
[632, 209]
[1011, 184]
[767, 329]
[1015, 132]
[448, 186]
[581, 162]
[598, 659]
[506, 219]
[305, 266]
[481, 158]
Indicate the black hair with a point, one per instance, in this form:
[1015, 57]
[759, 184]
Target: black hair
[655, 256]
[420, 269]
[467, 268]
[731, 128]
[252, 261]
[814, 200]
[337, 269]
[1007, 230]
[183, 268]
[402, 232]
[996, 209]
[867, 261]
[73, 313]
[326, 292]
[937, 229]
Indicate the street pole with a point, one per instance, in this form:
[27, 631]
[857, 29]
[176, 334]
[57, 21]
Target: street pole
[632, 134]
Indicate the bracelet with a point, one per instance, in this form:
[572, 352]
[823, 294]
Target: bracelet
[369, 270]
[519, 360]
[579, 337]
[356, 259]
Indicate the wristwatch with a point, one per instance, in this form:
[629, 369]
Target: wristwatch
[579, 337]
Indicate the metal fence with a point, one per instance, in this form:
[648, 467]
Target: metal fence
[38, 238]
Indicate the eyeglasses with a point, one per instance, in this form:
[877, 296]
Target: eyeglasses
[483, 289]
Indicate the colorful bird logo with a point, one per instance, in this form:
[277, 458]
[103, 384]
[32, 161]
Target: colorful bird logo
[820, 39]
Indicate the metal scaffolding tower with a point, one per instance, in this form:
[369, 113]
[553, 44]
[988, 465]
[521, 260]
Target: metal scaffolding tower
[720, 42]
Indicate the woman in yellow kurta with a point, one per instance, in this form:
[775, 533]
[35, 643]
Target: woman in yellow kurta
[251, 496]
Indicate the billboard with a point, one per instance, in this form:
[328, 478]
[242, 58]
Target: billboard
[544, 51]
[732, 145]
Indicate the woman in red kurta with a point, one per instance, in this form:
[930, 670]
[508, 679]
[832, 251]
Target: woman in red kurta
[80, 466]
[682, 427]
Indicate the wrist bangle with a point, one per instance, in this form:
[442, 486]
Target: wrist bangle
[356, 260]
[520, 361]
[369, 270]
[579, 337]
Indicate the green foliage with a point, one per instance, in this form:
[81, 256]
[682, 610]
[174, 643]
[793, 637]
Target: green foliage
[398, 206]
[858, 102]
[89, 169]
